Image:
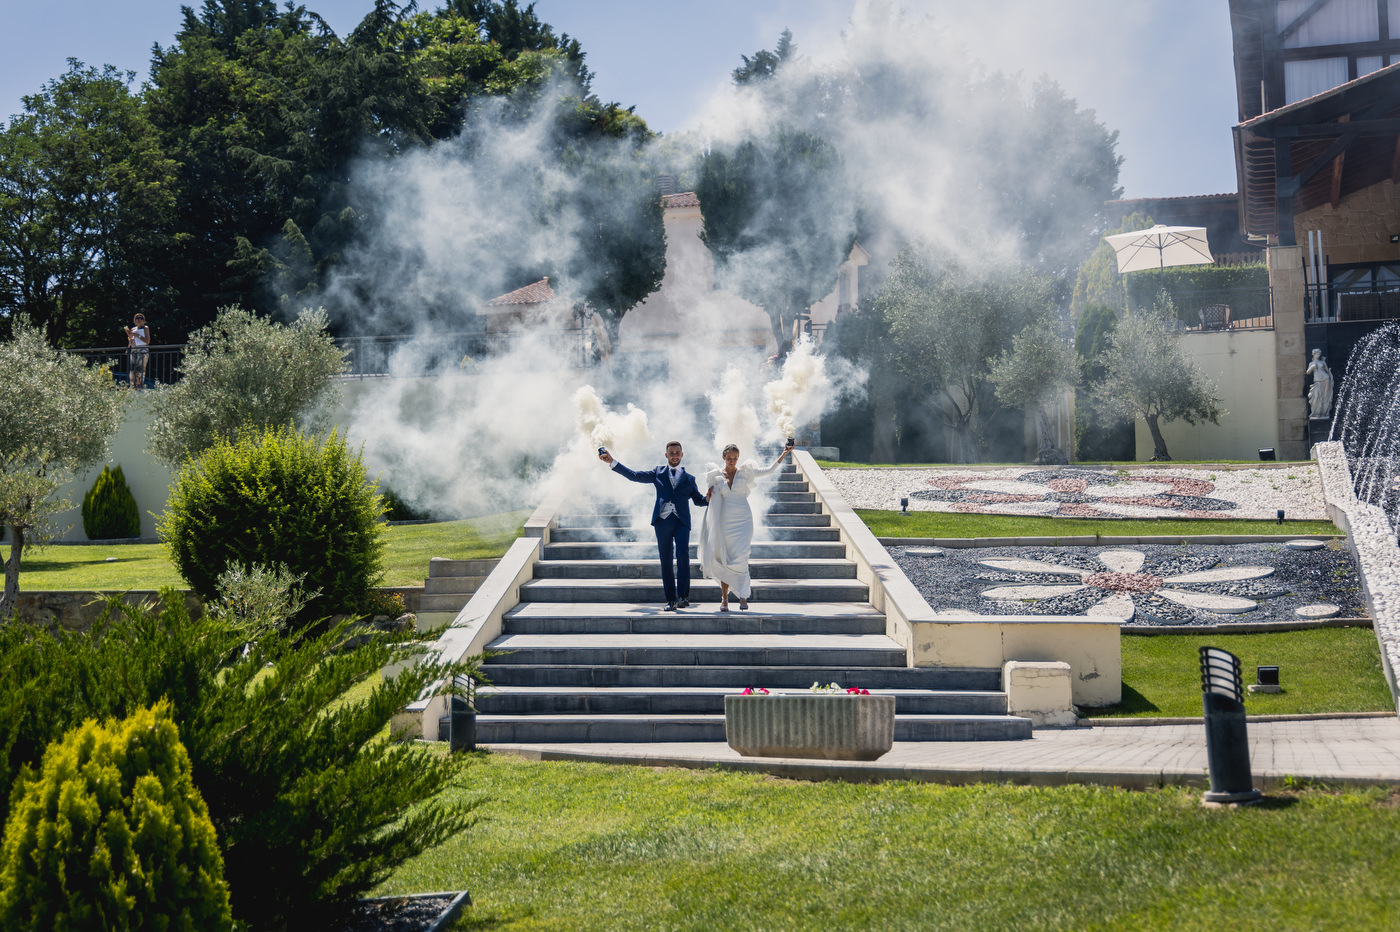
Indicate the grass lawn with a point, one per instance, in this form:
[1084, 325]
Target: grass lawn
[589, 846]
[147, 566]
[948, 524]
[1322, 670]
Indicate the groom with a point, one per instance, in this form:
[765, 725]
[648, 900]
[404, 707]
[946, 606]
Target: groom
[675, 490]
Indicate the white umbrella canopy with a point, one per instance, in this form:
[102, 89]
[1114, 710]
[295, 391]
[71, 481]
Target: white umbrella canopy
[1160, 247]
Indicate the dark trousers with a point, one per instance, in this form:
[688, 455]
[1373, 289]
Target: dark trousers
[673, 546]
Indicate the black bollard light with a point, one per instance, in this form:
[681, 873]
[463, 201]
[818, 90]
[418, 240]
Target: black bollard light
[462, 731]
[904, 506]
[1280, 516]
[1227, 739]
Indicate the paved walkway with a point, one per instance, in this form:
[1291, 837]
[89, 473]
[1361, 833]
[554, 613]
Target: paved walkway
[1357, 751]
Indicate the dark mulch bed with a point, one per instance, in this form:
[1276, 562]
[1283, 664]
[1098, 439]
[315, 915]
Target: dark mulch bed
[418, 913]
[955, 581]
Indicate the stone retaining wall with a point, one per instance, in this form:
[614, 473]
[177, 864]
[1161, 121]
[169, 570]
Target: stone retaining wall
[1372, 543]
[75, 610]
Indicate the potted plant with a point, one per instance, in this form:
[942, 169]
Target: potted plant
[826, 722]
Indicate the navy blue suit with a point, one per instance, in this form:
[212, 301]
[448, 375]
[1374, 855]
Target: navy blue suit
[672, 531]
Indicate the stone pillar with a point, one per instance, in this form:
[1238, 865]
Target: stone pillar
[1286, 280]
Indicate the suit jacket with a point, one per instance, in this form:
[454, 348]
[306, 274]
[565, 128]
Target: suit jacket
[685, 492]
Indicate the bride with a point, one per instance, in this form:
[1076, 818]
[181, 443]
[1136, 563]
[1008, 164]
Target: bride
[727, 529]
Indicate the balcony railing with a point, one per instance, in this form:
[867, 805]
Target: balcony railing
[374, 357]
[1243, 308]
[1339, 304]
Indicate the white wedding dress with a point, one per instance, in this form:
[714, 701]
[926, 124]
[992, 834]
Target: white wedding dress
[726, 531]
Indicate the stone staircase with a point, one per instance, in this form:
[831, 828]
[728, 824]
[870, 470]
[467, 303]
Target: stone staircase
[590, 656]
[449, 586]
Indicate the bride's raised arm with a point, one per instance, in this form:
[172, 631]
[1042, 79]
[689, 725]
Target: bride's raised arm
[760, 473]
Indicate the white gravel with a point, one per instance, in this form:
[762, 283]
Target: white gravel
[1258, 493]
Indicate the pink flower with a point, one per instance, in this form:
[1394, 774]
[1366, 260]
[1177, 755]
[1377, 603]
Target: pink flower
[855, 691]
[750, 691]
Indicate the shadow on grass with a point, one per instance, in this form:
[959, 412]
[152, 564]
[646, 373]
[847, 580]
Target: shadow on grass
[1134, 703]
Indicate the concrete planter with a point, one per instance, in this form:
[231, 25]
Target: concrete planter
[840, 727]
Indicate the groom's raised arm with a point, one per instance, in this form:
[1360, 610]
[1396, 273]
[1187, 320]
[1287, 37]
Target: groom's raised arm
[626, 473]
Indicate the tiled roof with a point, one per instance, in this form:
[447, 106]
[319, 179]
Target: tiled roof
[538, 293]
[686, 199]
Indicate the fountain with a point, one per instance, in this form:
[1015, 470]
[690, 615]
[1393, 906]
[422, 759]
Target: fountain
[1367, 420]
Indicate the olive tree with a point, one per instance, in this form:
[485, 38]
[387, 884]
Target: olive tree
[1148, 375]
[948, 323]
[245, 372]
[1034, 373]
[57, 415]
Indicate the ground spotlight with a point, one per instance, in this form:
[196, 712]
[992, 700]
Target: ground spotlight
[904, 506]
[1266, 454]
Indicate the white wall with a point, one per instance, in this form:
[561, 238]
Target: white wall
[148, 479]
[1242, 363]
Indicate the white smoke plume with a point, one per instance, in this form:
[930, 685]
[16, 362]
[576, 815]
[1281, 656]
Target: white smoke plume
[449, 226]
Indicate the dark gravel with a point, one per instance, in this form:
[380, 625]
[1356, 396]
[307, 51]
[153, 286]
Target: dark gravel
[407, 914]
[954, 581]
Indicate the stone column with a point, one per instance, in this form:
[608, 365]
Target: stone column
[1286, 279]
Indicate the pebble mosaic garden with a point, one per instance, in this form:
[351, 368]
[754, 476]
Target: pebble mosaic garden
[1149, 584]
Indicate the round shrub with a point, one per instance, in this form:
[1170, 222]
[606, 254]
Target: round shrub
[112, 834]
[279, 497]
[109, 508]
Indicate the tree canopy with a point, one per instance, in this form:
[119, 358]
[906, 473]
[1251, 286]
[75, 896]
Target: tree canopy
[244, 372]
[779, 216]
[1148, 375]
[228, 178]
[57, 415]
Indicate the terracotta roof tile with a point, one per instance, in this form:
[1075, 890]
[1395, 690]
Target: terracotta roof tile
[686, 199]
[537, 293]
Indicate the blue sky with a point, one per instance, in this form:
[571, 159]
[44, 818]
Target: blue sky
[1158, 71]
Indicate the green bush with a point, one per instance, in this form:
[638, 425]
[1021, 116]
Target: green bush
[112, 834]
[279, 497]
[312, 807]
[396, 509]
[109, 508]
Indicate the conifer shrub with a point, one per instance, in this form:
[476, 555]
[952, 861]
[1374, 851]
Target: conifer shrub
[112, 834]
[279, 498]
[109, 508]
[312, 807]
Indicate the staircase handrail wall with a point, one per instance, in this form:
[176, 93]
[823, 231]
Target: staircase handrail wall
[481, 620]
[1089, 644]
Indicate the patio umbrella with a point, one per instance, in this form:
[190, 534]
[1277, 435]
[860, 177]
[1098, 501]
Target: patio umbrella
[1160, 247]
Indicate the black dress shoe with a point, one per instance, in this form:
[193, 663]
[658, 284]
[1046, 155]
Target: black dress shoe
[683, 603]
[670, 607]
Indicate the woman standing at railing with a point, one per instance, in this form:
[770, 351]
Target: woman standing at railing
[138, 352]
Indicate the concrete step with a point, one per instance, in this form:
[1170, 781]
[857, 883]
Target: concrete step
[446, 602]
[455, 585]
[627, 729]
[701, 590]
[645, 676]
[587, 535]
[787, 485]
[701, 700]
[633, 618]
[777, 520]
[646, 550]
[866, 650]
[793, 508]
[651, 569]
[440, 566]
[793, 496]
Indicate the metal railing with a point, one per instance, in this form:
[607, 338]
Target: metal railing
[1204, 311]
[162, 361]
[1324, 303]
[380, 356]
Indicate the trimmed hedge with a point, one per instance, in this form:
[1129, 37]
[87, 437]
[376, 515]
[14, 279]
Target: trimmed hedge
[112, 834]
[279, 497]
[109, 508]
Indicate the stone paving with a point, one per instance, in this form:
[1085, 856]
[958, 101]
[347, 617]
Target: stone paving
[1357, 751]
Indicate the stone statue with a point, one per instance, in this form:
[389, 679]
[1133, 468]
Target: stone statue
[1320, 393]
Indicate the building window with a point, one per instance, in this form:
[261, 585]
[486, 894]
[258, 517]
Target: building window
[1365, 64]
[1302, 79]
[1394, 7]
[1338, 22]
